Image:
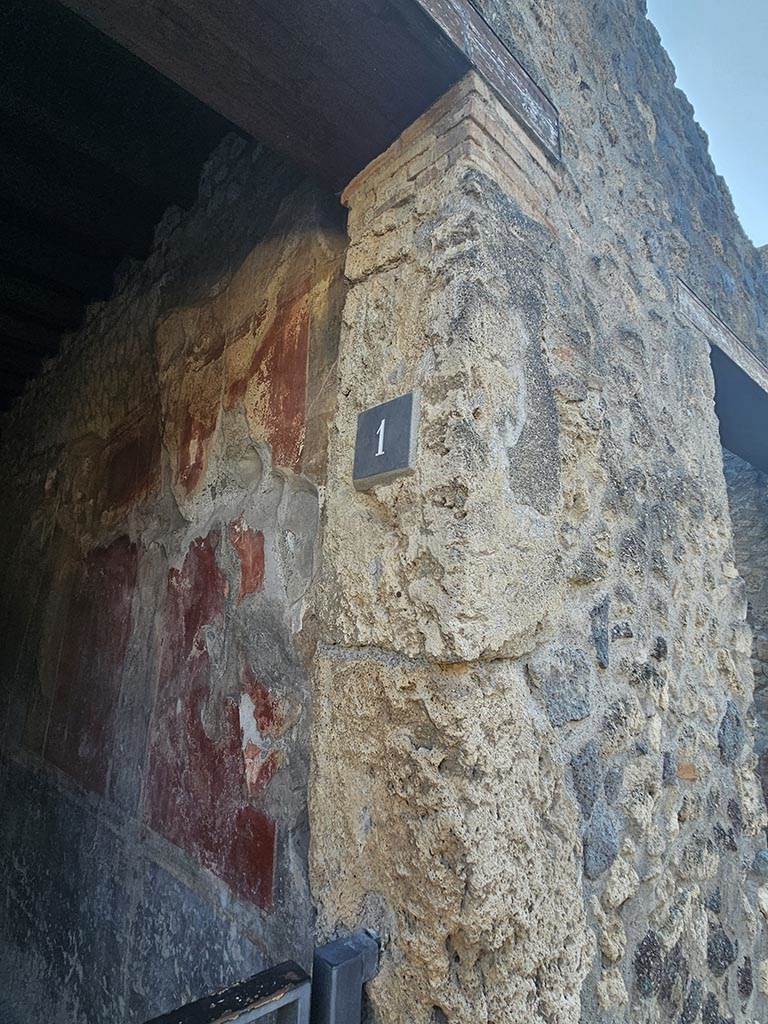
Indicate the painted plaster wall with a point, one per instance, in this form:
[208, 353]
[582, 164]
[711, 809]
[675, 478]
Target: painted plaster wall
[161, 522]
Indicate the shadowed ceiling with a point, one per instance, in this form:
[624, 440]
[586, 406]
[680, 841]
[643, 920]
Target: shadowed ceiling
[96, 144]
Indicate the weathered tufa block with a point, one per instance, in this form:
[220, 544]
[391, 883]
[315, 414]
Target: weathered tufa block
[459, 561]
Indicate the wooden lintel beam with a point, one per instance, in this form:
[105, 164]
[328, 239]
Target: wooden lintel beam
[330, 85]
[471, 34]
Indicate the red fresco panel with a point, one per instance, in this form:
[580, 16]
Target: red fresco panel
[249, 547]
[279, 366]
[93, 646]
[196, 791]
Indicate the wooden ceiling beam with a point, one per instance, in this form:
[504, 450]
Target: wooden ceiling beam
[76, 85]
[12, 382]
[28, 365]
[333, 84]
[26, 349]
[330, 89]
[63, 160]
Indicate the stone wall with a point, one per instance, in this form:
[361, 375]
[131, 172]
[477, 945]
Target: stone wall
[161, 514]
[533, 689]
[748, 503]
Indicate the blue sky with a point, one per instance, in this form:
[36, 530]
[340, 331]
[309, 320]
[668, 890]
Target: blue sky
[720, 50]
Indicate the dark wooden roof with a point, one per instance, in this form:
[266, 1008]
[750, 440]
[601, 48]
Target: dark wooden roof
[95, 145]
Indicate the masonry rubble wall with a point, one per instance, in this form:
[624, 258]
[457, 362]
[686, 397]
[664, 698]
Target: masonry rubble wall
[748, 504]
[161, 515]
[534, 654]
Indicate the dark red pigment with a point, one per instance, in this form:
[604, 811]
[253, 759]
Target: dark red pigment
[132, 464]
[249, 547]
[280, 362]
[97, 627]
[192, 456]
[196, 786]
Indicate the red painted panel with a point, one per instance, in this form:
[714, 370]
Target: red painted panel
[196, 431]
[249, 546]
[278, 369]
[93, 644]
[132, 463]
[196, 792]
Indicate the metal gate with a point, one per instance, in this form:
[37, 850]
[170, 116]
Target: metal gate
[287, 995]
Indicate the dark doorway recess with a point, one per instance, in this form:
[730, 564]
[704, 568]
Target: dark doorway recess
[742, 409]
[96, 145]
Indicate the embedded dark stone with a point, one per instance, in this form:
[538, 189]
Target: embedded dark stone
[721, 952]
[760, 865]
[674, 976]
[600, 633]
[710, 1013]
[730, 735]
[564, 678]
[734, 816]
[649, 676]
[587, 776]
[714, 901]
[621, 631]
[725, 841]
[669, 768]
[692, 1003]
[713, 800]
[660, 649]
[648, 965]
[612, 784]
[601, 842]
[745, 980]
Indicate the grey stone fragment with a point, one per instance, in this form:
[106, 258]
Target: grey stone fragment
[674, 976]
[714, 901]
[601, 842]
[725, 840]
[563, 676]
[589, 569]
[710, 1014]
[669, 768]
[587, 776]
[621, 631]
[660, 649]
[730, 735]
[745, 978]
[648, 964]
[735, 816]
[721, 952]
[612, 784]
[692, 1003]
[760, 866]
[600, 633]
